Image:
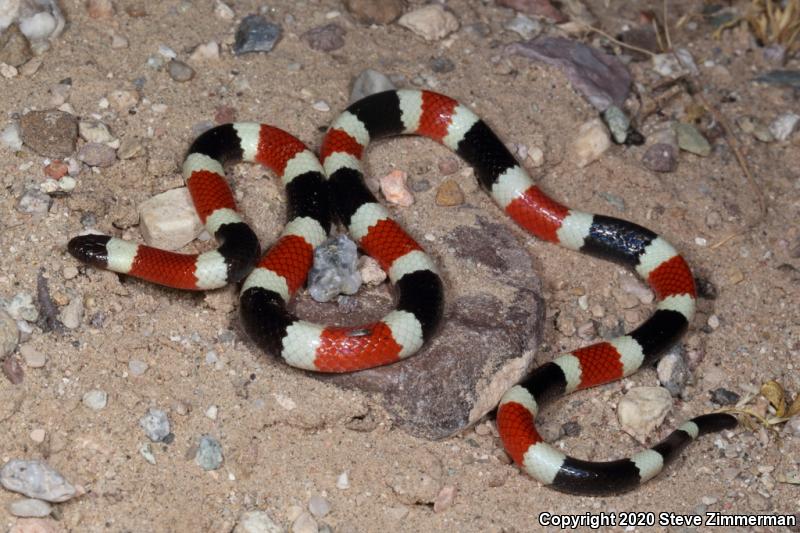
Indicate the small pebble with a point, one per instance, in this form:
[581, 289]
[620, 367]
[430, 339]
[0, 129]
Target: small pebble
[722, 396]
[335, 269]
[524, 27]
[643, 409]
[571, 429]
[304, 523]
[95, 399]
[319, 506]
[21, 307]
[100, 9]
[566, 324]
[618, 123]
[343, 481]
[147, 452]
[690, 140]
[36, 479]
[30, 508]
[369, 82]
[321, 105]
[448, 165]
[394, 189]
[9, 334]
[10, 137]
[444, 499]
[169, 220]
[129, 148]
[784, 125]
[590, 143]
[673, 372]
[255, 34]
[371, 272]
[713, 321]
[123, 100]
[155, 424]
[205, 52]
[442, 65]
[661, 157]
[212, 412]
[325, 38]
[33, 357]
[137, 367]
[223, 11]
[72, 314]
[209, 453]
[49, 133]
[38, 435]
[372, 12]
[180, 71]
[449, 194]
[97, 155]
[431, 22]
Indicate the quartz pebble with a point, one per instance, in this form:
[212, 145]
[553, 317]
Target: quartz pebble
[36, 479]
[95, 399]
[449, 194]
[155, 424]
[223, 11]
[169, 220]
[319, 506]
[325, 38]
[334, 271]
[205, 52]
[371, 272]
[9, 334]
[72, 314]
[209, 453]
[643, 409]
[137, 367]
[180, 71]
[673, 372]
[369, 82]
[784, 125]
[372, 12]
[343, 481]
[257, 522]
[592, 140]
[10, 137]
[255, 34]
[394, 188]
[30, 508]
[431, 22]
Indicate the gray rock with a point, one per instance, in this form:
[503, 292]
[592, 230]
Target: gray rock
[9, 334]
[34, 202]
[525, 27]
[180, 71]
[97, 155]
[36, 479]
[673, 372]
[372, 12]
[491, 329]
[369, 82]
[661, 157]
[257, 522]
[442, 65]
[255, 34]
[209, 453]
[325, 38]
[617, 122]
[784, 125]
[137, 367]
[789, 78]
[601, 78]
[30, 508]
[319, 506]
[690, 140]
[49, 133]
[95, 399]
[335, 269]
[722, 396]
[155, 424]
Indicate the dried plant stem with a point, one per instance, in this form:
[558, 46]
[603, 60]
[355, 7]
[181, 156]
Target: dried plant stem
[617, 41]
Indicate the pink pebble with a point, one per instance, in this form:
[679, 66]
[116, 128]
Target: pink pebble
[393, 187]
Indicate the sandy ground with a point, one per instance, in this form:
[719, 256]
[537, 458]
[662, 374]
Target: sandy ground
[288, 437]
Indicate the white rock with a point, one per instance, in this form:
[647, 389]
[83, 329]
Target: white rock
[38, 435]
[592, 140]
[94, 131]
[784, 125]
[643, 409]
[36, 479]
[212, 412]
[38, 26]
[72, 314]
[431, 22]
[321, 105]
[371, 272]
[257, 522]
[30, 508]
[169, 220]
[343, 481]
[223, 11]
[11, 138]
[205, 52]
[95, 399]
[9, 334]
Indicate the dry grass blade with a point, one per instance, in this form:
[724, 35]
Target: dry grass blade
[773, 23]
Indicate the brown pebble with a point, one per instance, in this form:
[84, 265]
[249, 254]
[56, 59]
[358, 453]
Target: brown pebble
[448, 165]
[100, 9]
[14, 47]
[444, 499]
[49, 133]
[372, 12]
[136, 10]
[56, 170]
[449, 194]
[224, 114]
[97, 155]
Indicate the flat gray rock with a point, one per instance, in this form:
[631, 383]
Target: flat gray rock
[493, 323]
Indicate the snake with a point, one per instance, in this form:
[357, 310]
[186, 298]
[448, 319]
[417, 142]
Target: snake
[332, 188]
